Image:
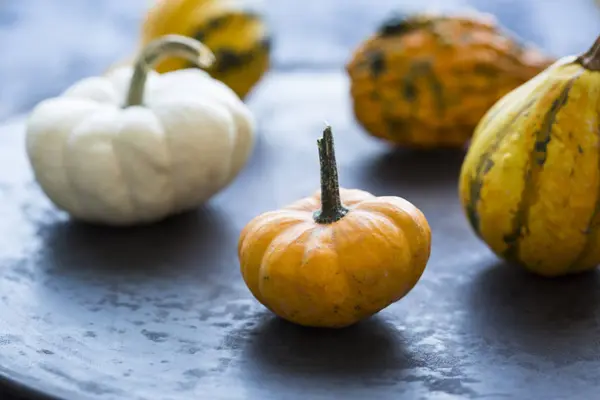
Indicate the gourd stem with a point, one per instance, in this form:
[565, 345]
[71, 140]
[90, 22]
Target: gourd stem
[163, 47]
[591, 58]
[332, 208]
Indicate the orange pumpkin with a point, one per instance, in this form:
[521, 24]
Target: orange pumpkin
[336, 257]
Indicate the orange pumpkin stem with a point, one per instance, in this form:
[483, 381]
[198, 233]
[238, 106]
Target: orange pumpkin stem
[591, 58]
[332, 208]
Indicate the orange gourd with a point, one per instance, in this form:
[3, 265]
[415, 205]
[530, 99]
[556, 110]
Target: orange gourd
[336, 257]
[425, 80]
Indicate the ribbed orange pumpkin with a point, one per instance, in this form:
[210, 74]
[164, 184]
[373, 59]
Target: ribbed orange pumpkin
[337, 257]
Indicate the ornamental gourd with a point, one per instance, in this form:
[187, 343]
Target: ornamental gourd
[336, 257]
[530, 182]
[238, 37]
[136, 146]
[425, 80]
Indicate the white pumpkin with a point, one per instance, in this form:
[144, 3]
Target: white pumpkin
[129, 148]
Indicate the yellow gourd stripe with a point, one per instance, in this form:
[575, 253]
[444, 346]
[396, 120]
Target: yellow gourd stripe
[530, 183]
[485, 163]
[489, 138]
[536, 161]
[490, 175]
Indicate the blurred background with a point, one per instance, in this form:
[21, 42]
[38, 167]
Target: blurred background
[48, 44]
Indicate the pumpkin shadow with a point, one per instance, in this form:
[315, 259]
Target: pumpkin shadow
[367, 351]
[413, 169]
[522, 313]
[177, 243]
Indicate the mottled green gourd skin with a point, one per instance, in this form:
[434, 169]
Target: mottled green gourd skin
[425, 80]
[530, 183]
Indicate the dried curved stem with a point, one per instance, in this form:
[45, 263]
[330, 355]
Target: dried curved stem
[165, 46]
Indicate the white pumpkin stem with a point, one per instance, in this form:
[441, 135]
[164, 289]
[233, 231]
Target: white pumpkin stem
[591, 58]
[332, 208]
[163, 47]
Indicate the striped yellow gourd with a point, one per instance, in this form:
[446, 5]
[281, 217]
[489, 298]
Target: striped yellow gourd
[238, 37]
[530, 182]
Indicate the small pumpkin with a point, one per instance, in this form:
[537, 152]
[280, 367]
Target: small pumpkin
[336, 257]
[530, 182]
[425, 80]
[239, 38]
[136, 146]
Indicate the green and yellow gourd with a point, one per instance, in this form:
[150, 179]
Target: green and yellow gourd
[425, 80]
[530, 182]
[239, 38]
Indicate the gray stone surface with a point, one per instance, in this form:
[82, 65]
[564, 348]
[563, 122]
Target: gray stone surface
[161, 313]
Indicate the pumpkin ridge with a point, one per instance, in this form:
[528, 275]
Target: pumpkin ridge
[279, 241]
[133, 204]
[68, 178]
[368, 223]
[249, 270]
[261, 221]
[390, 220]
[79, 207]
[536, 160]
[485, 164]
[171, 157]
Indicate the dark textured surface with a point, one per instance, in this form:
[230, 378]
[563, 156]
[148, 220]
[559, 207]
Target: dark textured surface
[98, 313]
[161, 313]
